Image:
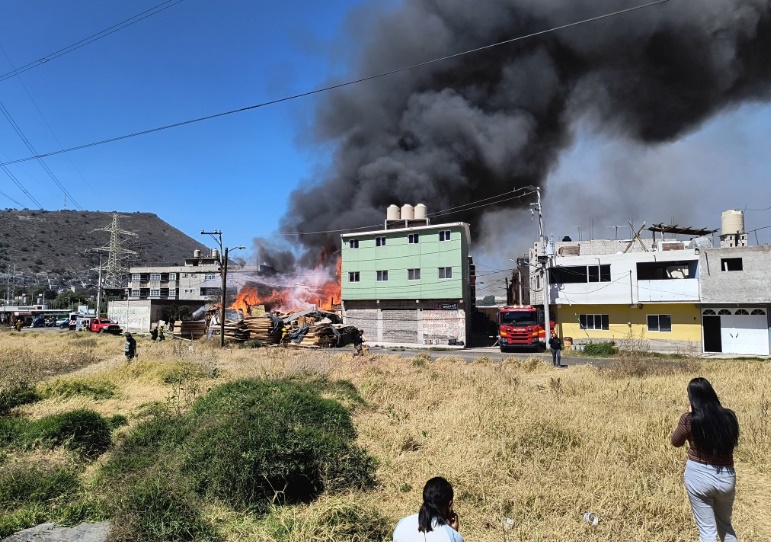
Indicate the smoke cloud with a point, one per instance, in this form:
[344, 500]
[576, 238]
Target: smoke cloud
[488, 122]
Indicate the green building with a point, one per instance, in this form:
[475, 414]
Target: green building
[409, 283]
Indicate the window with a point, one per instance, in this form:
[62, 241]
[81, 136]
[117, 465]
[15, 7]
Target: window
[382, 276]
[155, 276]
[414, 238]
[135, 292]
[380, 241]
[685, 269]
[413, 274]
[172, 276]
[209, 276]
[731, 264]
[724, 312]
[709, 312]
[136, 277]
[599, 273]
[172, 292]
[444, 235]
[758, 312]
[353, 243]
[659, 322]
[353, 276]
[445, 272]
[155, 292]
[568, 275]
[742, 312]
[594, 321]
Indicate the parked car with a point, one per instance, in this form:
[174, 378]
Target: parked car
[39, 322]
[63, 323]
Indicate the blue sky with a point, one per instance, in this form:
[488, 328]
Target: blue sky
[235, 173]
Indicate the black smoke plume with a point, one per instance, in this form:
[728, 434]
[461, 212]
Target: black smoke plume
[484, 123]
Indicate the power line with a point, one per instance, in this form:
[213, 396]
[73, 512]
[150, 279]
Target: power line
[335, 86]
[17, 182]
[28, 144]
[40, 113]
[91, 39]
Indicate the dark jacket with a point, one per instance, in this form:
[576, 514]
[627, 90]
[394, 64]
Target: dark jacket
[555, 343]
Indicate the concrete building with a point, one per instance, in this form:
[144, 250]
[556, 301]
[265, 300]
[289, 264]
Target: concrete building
[410, 282]
[735, 299]
[156, 291]
[597, 292]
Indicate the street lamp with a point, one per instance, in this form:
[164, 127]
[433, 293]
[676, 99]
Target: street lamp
[224, 274]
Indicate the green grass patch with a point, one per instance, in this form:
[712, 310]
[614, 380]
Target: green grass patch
[65, 388]
[20, 394]
[601, 349]
[82, 431]
[33, 494]
[249, 444]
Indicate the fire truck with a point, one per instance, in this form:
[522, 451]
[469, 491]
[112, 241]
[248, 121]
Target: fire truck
[522, 326]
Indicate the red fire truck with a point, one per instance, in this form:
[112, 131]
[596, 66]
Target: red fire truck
[521, 326]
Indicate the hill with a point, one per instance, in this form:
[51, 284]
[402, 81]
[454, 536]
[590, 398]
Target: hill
[58, 246]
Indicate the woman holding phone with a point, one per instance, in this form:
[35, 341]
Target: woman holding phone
[712, 433]
[436, 521]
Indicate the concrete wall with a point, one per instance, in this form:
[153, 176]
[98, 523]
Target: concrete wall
[750, 285]
[428, 322]
[133, 316]
[627, 323]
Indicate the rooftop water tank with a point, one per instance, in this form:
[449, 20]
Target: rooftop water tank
[408, 213]
[215, 253]
[196, 253]
[732, 222]
[421, 213]
[393, 212]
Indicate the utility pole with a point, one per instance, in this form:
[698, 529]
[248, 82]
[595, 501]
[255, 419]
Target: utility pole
[508, 291]
[224, 275]
[544, 261]
[99, 288]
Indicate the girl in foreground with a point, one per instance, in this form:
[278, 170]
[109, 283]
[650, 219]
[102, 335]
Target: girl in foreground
[436, 521]
[712, 433]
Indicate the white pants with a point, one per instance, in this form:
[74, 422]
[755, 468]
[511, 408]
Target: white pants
[711, 491]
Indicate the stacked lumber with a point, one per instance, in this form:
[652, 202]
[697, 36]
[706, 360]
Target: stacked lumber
[236, 331]
[190, 329]
[260, 327]
[322, 335]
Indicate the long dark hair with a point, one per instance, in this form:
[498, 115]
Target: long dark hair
[715, 429]
[437, 495]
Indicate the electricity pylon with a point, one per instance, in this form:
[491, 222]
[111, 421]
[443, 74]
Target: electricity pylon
[115, 270]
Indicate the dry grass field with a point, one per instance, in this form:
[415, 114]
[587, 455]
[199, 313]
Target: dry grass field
[517, 439]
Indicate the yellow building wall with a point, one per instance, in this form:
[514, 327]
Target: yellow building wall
[627, 322]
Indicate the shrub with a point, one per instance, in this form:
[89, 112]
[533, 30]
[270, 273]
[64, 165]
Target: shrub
[250, 443]
[66, 388]
[601, 349]
[18, 395]
[117, 420]
[83, 431]
[284, 444]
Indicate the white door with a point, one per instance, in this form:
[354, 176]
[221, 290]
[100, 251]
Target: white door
[744, 331]
[729, 334]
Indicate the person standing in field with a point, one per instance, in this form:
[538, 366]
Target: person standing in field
[712, 433]
[436, 521]
[358, 343]
[130, 348]
[555, 344]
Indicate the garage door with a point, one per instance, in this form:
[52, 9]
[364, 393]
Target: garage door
[742, 331]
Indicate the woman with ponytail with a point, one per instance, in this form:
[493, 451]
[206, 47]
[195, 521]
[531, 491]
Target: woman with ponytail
[436, 521]
[712, 433]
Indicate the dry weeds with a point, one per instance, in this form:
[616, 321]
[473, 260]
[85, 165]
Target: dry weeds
[517, 439]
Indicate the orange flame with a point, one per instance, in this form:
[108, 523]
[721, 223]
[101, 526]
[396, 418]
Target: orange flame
[289, 293]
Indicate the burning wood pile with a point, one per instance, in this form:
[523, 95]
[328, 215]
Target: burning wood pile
[267, 329]
[190, 329]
